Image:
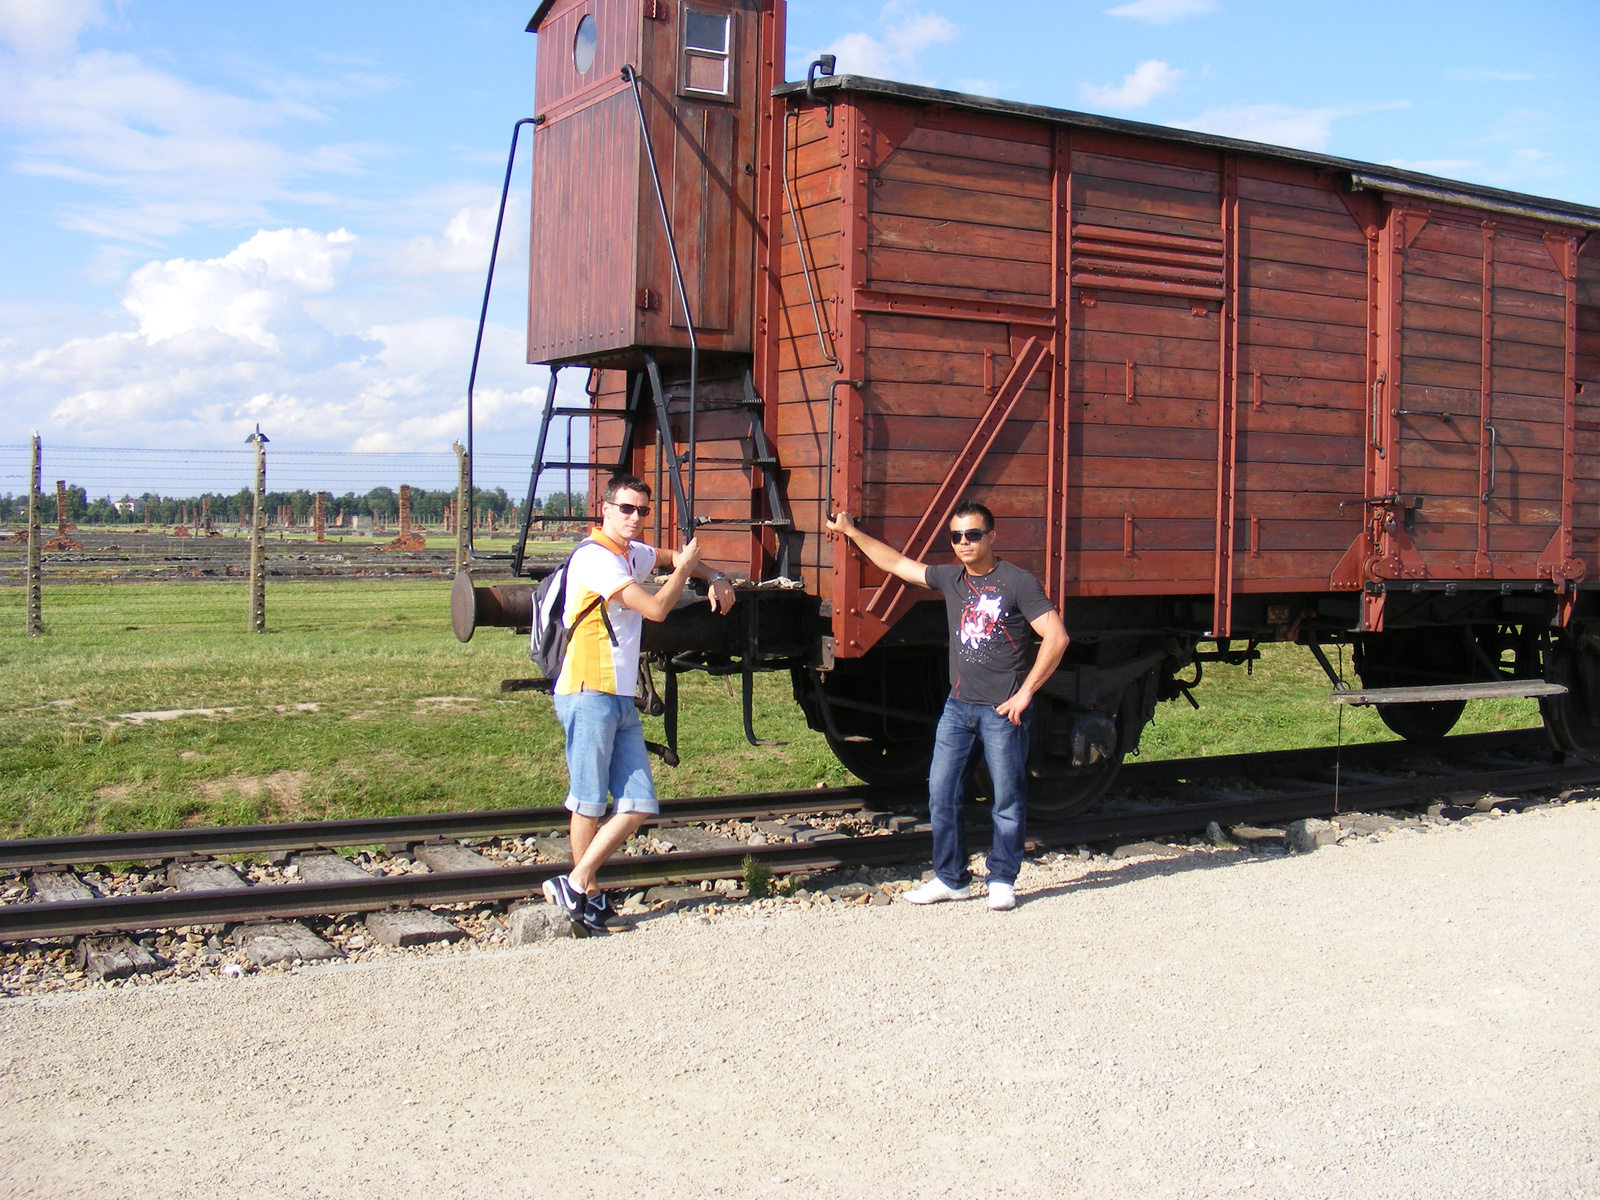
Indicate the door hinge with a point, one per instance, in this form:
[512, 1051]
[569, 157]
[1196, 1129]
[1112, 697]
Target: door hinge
[648, 298]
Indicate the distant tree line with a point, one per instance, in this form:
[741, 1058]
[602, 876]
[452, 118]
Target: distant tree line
[152, 508]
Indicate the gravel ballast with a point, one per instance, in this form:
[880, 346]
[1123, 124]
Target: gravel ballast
[1406, 1016]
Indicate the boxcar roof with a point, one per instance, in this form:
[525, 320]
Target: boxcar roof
[1360, 175]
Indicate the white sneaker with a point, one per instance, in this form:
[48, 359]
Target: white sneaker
[934, 891]
[1002, 896]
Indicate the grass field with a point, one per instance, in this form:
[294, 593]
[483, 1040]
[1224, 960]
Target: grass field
[359, 701]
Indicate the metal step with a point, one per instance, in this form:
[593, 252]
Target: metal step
[705, 406]
[579, 466]
[1434, 694]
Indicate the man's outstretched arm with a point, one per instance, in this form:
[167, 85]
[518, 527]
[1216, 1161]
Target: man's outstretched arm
[880, 554]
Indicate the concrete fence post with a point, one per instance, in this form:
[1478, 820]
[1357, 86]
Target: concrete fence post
[258, 538]
[35, 537]
[463, 503]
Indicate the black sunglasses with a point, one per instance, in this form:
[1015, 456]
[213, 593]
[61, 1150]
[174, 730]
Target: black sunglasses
[629, 510]
[957, 536]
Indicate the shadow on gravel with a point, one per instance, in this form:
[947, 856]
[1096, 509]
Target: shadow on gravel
[1134, 872]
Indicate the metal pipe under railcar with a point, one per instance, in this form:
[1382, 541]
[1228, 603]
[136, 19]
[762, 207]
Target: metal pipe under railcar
[1216, 393]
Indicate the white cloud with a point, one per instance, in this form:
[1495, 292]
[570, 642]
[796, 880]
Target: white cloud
[169, 153]
[463, 248]
[1273, 124]
[46, 28]
[892, 52]
[1161, 12]
[310, 332]
[1148, 80]
[251, 293]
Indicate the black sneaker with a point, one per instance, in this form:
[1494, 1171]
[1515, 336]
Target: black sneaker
[599, 908]
[558, 890]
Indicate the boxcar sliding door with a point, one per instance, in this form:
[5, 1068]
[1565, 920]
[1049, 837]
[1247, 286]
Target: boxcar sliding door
[1477, 416]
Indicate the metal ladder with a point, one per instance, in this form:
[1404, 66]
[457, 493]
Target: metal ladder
[679, 468]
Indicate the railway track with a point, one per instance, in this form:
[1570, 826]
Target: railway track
[1153, 800]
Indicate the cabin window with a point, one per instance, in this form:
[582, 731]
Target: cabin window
[583, 43]
[707, 53]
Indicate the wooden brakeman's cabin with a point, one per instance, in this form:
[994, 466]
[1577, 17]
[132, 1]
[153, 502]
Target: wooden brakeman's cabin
[1216, 393]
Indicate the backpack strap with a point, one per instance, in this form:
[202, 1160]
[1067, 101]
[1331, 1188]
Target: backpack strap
[598, 602]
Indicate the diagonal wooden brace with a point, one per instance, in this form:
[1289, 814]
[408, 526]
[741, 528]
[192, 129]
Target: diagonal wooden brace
[891, 593]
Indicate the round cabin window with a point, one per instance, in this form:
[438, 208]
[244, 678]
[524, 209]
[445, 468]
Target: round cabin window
[583, 45]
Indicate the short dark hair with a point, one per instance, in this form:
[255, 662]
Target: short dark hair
[971, 508]
[624, 483]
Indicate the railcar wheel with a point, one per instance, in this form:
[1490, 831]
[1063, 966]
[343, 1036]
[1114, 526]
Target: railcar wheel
[1573, 720]
[1055, 798]
[886, 764]
[1058, 796]
[1056, 789]
[1422, 722]
[1413, 658]
[884, 707]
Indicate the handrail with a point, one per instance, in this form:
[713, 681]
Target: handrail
[1494, 444]
[477, 345]
[800, 241]
[686, 519]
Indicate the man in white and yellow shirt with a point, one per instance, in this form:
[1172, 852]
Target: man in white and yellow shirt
[599, 677]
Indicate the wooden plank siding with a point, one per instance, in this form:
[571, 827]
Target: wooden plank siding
[933, 244]
[1586, 460]
[959, 215]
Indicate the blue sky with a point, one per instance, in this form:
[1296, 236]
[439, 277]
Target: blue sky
[223, 214]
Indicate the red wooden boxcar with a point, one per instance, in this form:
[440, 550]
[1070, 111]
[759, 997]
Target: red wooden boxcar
[1216, 393]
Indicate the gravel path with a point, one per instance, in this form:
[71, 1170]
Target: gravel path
[1410, 1017]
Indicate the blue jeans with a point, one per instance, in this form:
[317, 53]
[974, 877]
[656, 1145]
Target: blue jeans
[1005, 749]
[605, 753]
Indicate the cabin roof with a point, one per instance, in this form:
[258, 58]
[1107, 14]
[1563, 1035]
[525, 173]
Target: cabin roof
[1358, 175]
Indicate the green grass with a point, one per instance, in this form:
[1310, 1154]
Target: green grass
[374, 657]
[369, 655]
[1284, 705]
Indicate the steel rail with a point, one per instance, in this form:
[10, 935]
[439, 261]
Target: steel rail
[163, 844]
[21, 922]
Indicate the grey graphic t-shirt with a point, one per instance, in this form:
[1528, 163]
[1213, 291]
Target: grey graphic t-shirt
[991, 638]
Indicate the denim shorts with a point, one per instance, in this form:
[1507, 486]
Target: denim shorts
[605, 754]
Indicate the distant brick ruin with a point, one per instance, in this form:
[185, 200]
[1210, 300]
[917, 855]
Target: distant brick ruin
[408, 539]
[61, 541]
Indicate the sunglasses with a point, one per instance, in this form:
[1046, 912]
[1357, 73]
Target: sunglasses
[957, 536]
[629, 510]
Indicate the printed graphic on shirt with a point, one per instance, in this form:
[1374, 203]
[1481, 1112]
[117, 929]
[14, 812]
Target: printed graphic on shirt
[980, 623]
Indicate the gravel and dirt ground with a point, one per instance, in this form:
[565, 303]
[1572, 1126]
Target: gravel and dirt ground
[1409, 1016]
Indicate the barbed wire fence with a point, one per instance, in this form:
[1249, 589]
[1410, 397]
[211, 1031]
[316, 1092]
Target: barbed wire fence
[215, 492]
[127, 475]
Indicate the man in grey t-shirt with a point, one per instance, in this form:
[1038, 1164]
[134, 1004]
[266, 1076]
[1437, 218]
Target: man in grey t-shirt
[993, 609]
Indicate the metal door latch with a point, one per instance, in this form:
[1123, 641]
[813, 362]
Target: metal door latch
[1408, 505]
